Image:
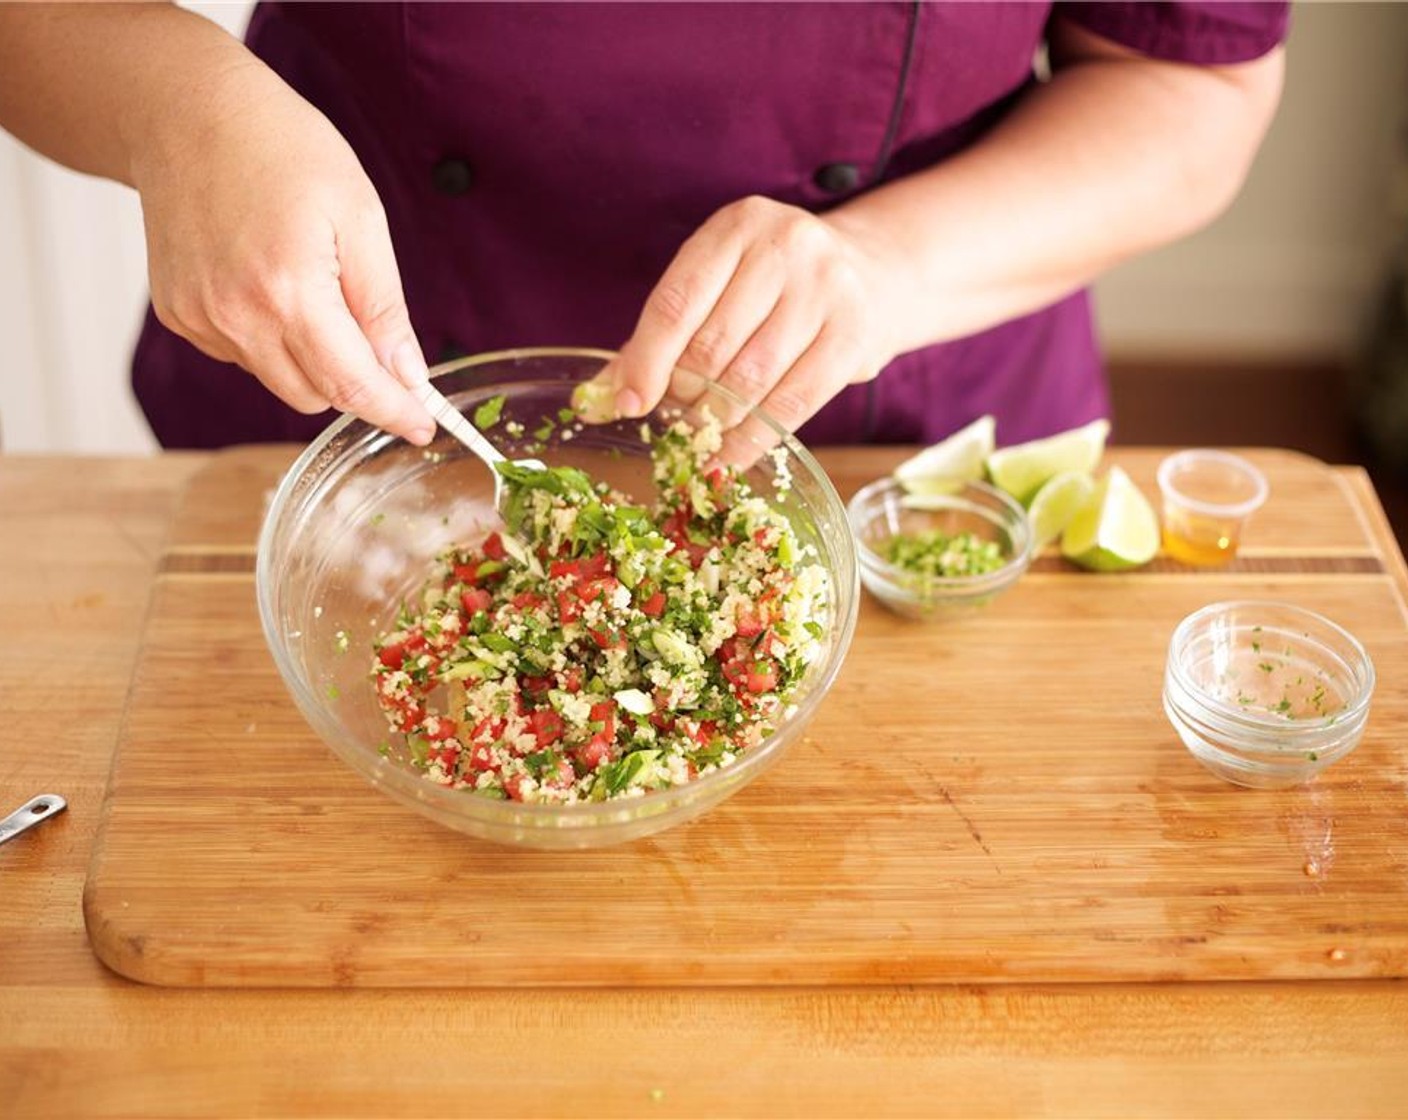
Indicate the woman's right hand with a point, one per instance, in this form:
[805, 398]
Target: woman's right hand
[267, 246]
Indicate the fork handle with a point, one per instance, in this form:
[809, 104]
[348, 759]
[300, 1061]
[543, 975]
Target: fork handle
[30, 813]
[455, 423]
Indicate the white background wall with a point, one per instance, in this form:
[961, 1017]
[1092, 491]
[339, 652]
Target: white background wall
[1286, 275]
[1288, 271]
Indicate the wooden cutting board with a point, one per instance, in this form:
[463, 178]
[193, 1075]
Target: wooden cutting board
[1000, 799]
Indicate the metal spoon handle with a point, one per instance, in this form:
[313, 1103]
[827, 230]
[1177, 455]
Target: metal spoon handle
[33, 811]
[455, 423]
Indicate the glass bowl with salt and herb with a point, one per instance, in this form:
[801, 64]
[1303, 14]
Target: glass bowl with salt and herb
[1266, 694]
[648, 626]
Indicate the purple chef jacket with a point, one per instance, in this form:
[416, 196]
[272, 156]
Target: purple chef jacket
[540, 165]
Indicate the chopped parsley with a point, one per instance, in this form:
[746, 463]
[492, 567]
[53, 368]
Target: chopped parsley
[488, 413]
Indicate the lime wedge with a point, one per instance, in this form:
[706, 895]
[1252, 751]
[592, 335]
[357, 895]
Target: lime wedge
[1023, 467]
[945, 466]
[594, 401]
[1056, 504]
[1115, 530]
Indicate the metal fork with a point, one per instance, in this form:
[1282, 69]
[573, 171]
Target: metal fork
[33, 811]
[453, 421]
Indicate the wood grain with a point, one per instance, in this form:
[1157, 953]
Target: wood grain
[79, 540]
[997, 800]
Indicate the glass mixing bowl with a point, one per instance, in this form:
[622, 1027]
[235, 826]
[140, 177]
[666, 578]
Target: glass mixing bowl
[354, 527]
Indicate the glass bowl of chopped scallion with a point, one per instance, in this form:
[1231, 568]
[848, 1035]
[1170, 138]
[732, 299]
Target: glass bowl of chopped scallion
[938, 556]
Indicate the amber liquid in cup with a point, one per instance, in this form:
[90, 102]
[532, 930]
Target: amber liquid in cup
[1195, 538]
[1207, 498]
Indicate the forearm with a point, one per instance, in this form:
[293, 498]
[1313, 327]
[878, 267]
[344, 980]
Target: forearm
[266, 242]
[1115, 156]
[97, 86]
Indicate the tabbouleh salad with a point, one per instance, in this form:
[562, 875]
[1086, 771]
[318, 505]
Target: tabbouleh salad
[598, 649]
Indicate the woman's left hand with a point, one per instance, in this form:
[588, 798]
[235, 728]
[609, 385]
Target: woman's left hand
[782, 306]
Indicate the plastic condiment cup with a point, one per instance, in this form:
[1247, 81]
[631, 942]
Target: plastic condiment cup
[1208, 496]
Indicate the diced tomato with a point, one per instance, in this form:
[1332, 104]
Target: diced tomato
[590, 590]
[572, 679]
[494, 547]
[675, 529]
[654, 605]
[596, 567]
[594, 752]
[717, 479]
[474, 600]
[559, 568]
[760, 536]
[408, 714]
[675, 525]
[752, 674]
[586, 568]
[467, 573]
[601, 747]
[661, 718]
[561, 776]
[392, 656]
[605, 713]
[735, 671]
[695, 552]
[608, 639]
[535, 686]
[444, 729]
[415, 642]
[528, 600]
[513, 786]
[761, 676]
[569, 607]
[750, 622]
[448, 755]
[704, 733]
[487, 729]
[480, 758]
[546, 726]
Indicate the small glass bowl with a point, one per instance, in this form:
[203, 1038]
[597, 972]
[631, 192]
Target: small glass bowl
[1266, 694]
[883, 510]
